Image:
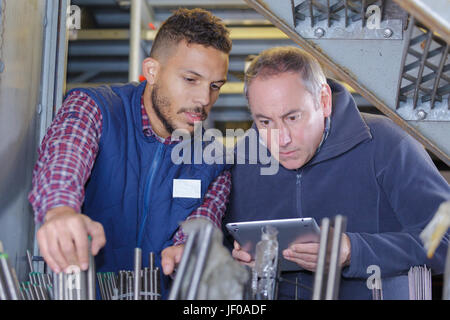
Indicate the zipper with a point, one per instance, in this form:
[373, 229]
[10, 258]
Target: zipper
[147, 189]
[298, 184]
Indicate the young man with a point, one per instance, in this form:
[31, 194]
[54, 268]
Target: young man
[108, 155]
[335, 160]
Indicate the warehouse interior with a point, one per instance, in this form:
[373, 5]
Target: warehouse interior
[48, 47]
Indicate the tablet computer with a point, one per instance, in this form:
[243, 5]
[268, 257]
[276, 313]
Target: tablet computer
[290, 231]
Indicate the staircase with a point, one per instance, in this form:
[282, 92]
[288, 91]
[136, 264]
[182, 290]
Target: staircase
[394, 55]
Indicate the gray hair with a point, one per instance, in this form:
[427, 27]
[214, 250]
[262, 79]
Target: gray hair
[278, 60]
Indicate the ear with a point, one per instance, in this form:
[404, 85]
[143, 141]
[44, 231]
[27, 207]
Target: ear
[150, 69]
[325, 99]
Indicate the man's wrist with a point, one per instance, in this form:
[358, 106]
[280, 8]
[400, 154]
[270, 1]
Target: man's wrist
[58, 210]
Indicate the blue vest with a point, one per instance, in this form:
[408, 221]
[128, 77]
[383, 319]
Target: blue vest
[130, 188]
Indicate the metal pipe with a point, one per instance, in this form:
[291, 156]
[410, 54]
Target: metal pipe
[69, 289]
[130, 286]
[31, 277]
[40, 277]
[100, 284]
[64, 286]
[24, 288]
[146, 290]
[156, 285]
[36, 291]
[50, 292]
[446, 284]
[151, 278]
[126, 275]
[321, 260]
[201, 259]
[108, 286]
[137, 273]
[28, 293]
[42, 293]
[9, 276]
[151, 260]
[82, 290]
[55, 286]
[104, 282]
[48, 279]
[91, 288]
[135, 40]
[334, 273]
[121, 284]
[61, 289]
[31, 291]
[115, 288]
[142, 285]
[30, 263]
[22, 295]
[3, 288]
[111, 285]
[182, 268]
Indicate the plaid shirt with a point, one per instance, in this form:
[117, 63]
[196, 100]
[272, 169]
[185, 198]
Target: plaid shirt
[67, 155]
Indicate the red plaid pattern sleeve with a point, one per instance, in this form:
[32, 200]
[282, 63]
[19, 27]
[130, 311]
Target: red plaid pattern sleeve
[66, 156]
[214, 204]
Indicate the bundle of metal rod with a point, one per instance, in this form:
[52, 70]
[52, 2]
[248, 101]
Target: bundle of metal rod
[108, 284]
[69, 286]
[34, 291]
[149, 284]
[9, 286]
[139, 284]
[75, 284]
[154, 289]
[328, 270]
[40, 287]
[150, 281]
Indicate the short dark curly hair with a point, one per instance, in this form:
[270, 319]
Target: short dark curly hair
[194, 26]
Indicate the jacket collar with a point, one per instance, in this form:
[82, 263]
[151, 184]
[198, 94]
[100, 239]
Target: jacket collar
[347, 129]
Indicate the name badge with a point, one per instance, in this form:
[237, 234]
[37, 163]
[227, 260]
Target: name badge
[187, 188]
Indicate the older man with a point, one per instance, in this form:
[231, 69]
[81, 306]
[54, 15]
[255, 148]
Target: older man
[336, 160]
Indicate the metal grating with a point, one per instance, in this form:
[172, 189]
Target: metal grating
[348, 19]
[347, 10]
[424, 83]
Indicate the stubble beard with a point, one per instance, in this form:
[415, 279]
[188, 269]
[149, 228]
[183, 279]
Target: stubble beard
[158, 104]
